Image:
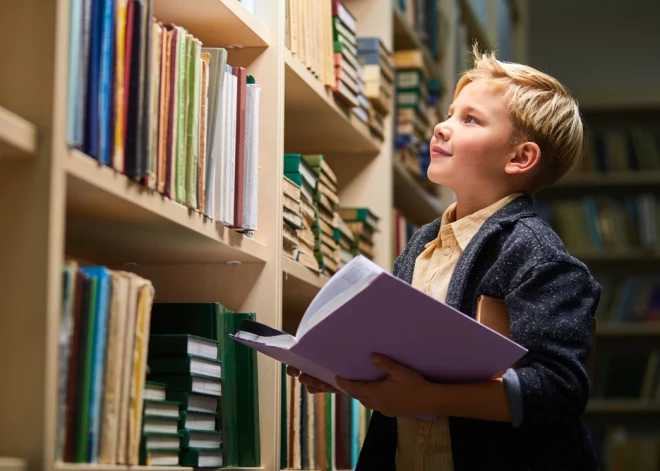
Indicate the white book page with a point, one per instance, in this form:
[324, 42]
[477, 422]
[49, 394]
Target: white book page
[345, 284]
[285, 341]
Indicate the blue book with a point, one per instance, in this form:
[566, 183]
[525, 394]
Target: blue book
[91, 144]
[102, 274]
[106, 82]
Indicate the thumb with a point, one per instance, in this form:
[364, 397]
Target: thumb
[388, 365]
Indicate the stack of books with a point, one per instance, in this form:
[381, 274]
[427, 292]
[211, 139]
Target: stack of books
[378, 75]
[363, 224]
[327, 200]
[213, 378]
[298, 235]
[161, 441]
[344, 26]
[345, 240]
[104, 334]
[415, 118]
[188, 364]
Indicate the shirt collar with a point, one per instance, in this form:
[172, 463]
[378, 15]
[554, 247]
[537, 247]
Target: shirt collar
[466, 228]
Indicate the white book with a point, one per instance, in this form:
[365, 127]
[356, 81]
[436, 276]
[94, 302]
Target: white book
[251, 191]
[231, 155]
[221, 132]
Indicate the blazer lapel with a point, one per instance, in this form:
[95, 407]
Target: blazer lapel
[519, 208]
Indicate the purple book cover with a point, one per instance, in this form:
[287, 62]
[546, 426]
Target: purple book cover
[390, 317]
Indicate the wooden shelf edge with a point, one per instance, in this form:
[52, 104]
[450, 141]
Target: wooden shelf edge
[300, 272]
[297, 67]
[636, 329]
[617, 255]
[622, 406]
[109, 467]
[431, 65]
[249, 20]
[19, 133]
[88, 170]
[475, 29]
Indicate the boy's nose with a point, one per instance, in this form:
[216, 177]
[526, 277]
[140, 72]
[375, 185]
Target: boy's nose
[442, 131]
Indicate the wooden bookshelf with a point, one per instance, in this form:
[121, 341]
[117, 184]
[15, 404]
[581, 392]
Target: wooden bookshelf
[415, 202]
[610, 256]
[101, 467]
[632, 329]
[307, 105]
[218, 23]
[621, 407]
[405, 37]
[116, 220]
[18, 137]
[476, 30]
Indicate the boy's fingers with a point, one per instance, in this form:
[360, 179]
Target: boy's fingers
[291, 371]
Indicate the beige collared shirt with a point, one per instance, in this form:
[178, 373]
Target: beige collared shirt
[426, 445]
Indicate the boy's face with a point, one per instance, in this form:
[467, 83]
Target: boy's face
[470, 149]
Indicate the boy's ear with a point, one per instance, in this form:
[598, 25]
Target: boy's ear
[526, 156]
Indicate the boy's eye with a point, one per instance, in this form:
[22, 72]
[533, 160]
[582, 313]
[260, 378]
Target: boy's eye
[471, 119]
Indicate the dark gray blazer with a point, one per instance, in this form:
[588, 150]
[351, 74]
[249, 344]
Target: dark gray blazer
[551, 298]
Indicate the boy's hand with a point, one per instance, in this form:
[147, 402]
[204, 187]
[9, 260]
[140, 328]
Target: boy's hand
[401, 394]
[313, 385]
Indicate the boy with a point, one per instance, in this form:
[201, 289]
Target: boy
[510, 131]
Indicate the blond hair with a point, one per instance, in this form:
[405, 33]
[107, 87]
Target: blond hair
[542, 111]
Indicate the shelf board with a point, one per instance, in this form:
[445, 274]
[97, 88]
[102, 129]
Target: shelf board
[218, 23]
[18, 137]
[314, 122]
[108, 467]
[476, 30]
[622, 406]
[416, 203]
[299, 286]
[608, 180]
[617, 256]
[112, 219]
[407, 38]
[632, 329]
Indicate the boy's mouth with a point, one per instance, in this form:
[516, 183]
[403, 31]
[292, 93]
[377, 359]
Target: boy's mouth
[437, 151]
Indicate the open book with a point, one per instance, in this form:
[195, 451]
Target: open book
[362, 310]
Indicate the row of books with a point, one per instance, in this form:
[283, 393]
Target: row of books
[628, 299]
[604, 222]
[319, 431]
[196, 333]
[358, 70]
[105, 319]
[620, 448]
[627, 374]
[146, 99]
[635, 148]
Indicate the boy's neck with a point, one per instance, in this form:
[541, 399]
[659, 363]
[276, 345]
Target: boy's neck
[470, 204]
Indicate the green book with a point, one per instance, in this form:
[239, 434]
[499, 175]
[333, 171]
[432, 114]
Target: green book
[202, 458]
[86, 360]
[200, 319]
[192, 122]
[182, 344]
[154, 441]
[161, 408]
[295, 163]
[183, 56]
[229, 416]
[189, 383]
[194, 402]
[202, 439]
[353, 214]
[190, 420]
[185, 365]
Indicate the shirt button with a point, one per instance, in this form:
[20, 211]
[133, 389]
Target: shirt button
[420, 439]
[447, 251]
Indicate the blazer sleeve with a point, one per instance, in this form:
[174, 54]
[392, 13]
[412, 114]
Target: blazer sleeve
[551, 315]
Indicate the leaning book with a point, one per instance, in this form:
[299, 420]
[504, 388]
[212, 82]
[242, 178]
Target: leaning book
[362, 310]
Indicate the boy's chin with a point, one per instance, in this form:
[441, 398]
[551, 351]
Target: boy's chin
[439, 177]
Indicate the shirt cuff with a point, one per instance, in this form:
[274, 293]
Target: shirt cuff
[514, 396]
